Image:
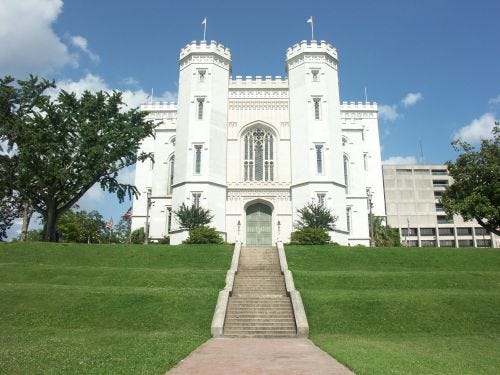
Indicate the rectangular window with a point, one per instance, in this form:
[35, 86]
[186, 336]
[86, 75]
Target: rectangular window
[319, 159]
[348, 217]
[316, 108]
[464, 231]
[446, 231]
[315, 75]
[442, 219]
[427, 231]
[169, 218]
[365, 161]
[197, 159]
[483, 243]
[195, 199]
[447, 243]
[152, 162]
[481, 231]
[321, 198]
[201, 74]
[201, 101]
[465, 243]
[409, 231]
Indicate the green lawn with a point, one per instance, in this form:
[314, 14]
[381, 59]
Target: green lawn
[403, 311]
[102, 309]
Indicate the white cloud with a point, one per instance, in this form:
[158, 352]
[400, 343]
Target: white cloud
[388, 112]
[29, 44]
[495, 100]
[93, 83]
[400, 160]
[127, 175]
[479, 128]
[81, 43]
[411, 99]
[130, 81]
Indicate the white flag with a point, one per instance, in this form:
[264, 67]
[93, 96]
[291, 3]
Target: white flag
[310, 19]
[204, 22]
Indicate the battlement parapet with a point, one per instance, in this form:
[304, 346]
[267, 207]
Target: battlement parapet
[359, 106]
[158, 106]
[205, 47]
[253, 81]
[312, 46]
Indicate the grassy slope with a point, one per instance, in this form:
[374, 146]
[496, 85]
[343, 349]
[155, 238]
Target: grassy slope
[403, 311]
[117, 309]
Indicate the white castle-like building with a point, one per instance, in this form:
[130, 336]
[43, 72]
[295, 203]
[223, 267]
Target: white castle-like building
[253, 150]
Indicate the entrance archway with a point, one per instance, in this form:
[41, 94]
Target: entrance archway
[259, 224]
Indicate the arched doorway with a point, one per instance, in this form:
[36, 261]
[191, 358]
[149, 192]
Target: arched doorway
[259, 224]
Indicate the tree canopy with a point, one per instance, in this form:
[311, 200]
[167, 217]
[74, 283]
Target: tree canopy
[81, 226]
[191, 217]
[314, 215]
[475, 192]
[59, 148]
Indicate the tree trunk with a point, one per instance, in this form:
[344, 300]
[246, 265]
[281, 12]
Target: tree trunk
[27, 213]
[50, 223]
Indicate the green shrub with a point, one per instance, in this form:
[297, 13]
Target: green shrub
[202, 235]
[191, 217]
[138, 236]
[165, 241]
[310, 236]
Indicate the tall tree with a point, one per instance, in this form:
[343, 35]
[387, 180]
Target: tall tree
[81, 226]
[62, 147]
[475, 192]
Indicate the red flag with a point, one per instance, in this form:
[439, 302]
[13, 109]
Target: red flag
[127, 214]
[109, 224]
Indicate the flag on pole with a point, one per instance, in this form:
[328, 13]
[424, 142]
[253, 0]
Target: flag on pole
[109, 224]
[204, 23]
[127, 214]
[310, 20]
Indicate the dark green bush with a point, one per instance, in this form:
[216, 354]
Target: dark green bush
[310, 236]
[203, 235]
[138, 236]
[165, 241]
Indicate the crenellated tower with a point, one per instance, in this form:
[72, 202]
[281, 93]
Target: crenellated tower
[315, 130]
[201, 139]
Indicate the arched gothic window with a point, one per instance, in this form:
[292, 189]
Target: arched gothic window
[346, 173]
[170, 181]
[258, 164]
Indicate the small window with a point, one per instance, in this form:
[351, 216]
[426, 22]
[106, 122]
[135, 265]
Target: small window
[446, 231]
[315, 75]
[346, 173]
[169, 218]
[202, 74]
[201, 101]
[464, 231]
[152, 162]
[365, 161]
[321, 198]
[195, 199]
[348, 218]
[197, 159]
[363, 134]
[319, 159]
[481, 231]
[427, 231]
[171, 163]
[317, 102]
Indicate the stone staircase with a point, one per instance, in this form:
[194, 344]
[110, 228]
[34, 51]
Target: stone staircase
[259, 305]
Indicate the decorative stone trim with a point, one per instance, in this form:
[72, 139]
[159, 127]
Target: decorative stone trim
[217, 327]
[297, 305]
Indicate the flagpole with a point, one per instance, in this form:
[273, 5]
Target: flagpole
[204, 23]
[312, 29]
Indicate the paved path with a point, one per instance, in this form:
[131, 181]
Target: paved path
[245, 356]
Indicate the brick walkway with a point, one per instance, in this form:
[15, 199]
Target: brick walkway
[244, 356]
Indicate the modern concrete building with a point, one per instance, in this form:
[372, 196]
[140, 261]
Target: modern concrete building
[255, 149]
[412, 196]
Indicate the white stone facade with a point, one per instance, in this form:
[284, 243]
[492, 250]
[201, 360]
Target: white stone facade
[255, 149]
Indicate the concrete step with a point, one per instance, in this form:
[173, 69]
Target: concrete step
[269, 332]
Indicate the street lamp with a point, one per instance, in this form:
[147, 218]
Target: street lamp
[369, 195]
[148, 206]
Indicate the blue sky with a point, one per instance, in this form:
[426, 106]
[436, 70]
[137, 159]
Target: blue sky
[433, 65]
